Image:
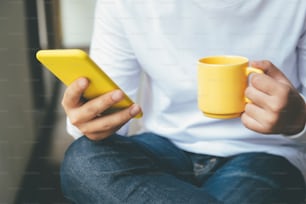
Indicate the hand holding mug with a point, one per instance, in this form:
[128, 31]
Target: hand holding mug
[270, 105]
[277, 107]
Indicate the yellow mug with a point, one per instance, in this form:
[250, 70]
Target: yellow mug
[222, 81]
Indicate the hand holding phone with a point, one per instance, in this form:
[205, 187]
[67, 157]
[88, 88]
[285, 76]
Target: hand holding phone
[69, 65]
[90, 117]
[84, 78]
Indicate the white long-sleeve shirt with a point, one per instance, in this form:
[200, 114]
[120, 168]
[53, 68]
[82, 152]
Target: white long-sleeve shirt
[165, 38]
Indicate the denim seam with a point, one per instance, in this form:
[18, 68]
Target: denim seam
[119, 171]
[242, 174]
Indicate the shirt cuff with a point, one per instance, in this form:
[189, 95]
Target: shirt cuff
[72, 130]
[301, 135]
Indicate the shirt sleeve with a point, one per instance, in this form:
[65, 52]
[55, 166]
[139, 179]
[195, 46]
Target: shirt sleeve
[301, 49]
[111, 50]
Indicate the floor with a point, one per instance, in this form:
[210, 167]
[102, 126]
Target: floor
[41, 184]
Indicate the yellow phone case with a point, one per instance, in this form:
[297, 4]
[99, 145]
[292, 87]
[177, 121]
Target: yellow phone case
[70, 64]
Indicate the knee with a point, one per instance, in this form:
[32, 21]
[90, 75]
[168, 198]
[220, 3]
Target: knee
[75, 156]
[73, 166]
[263, 165]
[82, 158]
[88, 162]
[273, 172]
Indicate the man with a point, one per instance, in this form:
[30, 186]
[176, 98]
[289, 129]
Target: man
[181, 156]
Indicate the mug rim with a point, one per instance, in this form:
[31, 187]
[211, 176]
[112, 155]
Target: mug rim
[244, 60]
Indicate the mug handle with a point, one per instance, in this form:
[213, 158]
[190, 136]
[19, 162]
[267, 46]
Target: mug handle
[250, 70]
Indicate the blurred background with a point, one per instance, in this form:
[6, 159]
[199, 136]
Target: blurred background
[32, 124]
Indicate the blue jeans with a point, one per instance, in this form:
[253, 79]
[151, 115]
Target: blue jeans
[148, 169]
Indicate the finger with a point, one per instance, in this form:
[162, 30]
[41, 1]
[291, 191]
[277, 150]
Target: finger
[266, 84]
[257, 97]
[266, 121]
[251, 123]
[271, 70]
[257, 113]
[278, 93]
[102, 127]
[134, 110]
[97, 136]
[73, 94]
[96, 106]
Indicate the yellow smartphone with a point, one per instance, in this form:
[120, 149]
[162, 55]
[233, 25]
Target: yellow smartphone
[70, 64]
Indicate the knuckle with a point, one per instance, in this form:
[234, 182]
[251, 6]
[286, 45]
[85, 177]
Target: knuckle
[267, 63]
[256, 79]
[106, 126]
[271, 121]
[126, 115]
[124, 118]
[63, 103]
[275, 107]
[85, 130]
[92, 109]
[106, 100]
[286, 91]
[100, 104]
[74, 119]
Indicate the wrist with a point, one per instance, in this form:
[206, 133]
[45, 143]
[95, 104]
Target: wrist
[297, 125]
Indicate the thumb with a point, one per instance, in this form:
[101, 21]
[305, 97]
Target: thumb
[271, 70]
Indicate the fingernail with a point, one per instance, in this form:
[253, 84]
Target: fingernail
[82, 82]
[135, 109]
[117, 95]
